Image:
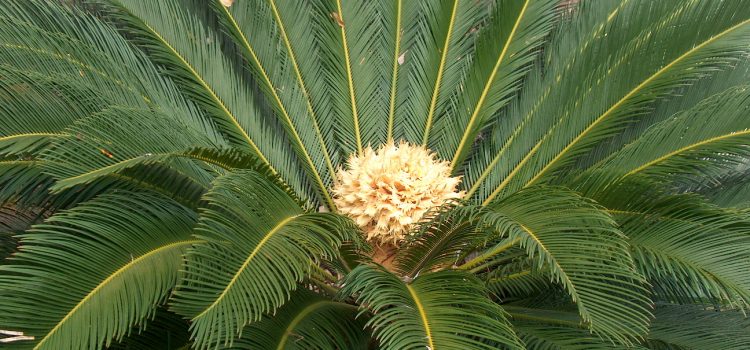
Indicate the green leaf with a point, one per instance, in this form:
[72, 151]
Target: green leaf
[95, 270]
[259, 244]
[440, 310]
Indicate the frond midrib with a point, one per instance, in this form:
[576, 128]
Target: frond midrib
[422, 315]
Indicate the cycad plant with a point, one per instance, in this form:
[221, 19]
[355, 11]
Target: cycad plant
[380, 174]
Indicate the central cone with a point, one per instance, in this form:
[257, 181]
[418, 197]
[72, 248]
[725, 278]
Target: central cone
[388, 190]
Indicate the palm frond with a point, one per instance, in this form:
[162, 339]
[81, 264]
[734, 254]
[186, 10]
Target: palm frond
[505, 52]
[694, 40]
[694, 327]
[585, 252]
[689, 250]
[447, 309]
[258, 245]
[698, 145]
[259, 31]
[94, 147]
[105, 264]
[177, 37]
[307, 321]
[436, 50]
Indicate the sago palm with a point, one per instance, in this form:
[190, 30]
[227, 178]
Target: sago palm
[380, 174]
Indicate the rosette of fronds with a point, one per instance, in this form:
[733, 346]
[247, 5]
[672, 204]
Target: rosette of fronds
[380, 174]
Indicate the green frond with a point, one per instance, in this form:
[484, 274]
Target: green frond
[505, 52]
[307, 321]
[178, 37]
[258, 245]
[440, 239]
[165, 330]
[698, 145]
[94, 147]
[694, 327]
[585, 252]
[97, 269]
[694, 39]
[688, 249]
[259, 31]
[438, 49]
[439, 310]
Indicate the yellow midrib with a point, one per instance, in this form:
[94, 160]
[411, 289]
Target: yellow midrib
[349, 78]
[247, 261]
[439, 79]
[487, 87]
[29, 134]
[628, 95]
[308, 100]
[106, 281]
[282, 109]
[687, 148]
[422, 315]
[394, 77]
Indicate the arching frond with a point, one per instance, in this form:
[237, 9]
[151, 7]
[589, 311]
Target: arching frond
[693, 327]
[693, 39]
[585, 252]
[307, 321]
[440, 310]
[697, 145]
[258, 245]
[688, 249]
[105, 264]
[169, 31]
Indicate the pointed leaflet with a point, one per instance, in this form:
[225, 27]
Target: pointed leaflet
[258, 245]
[259, 31]
[97, 269]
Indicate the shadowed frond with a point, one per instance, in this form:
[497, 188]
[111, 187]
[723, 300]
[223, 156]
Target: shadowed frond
[105, 264]
[693, 327]
[307, 321]
[688, 249]
[165, 330]
[440, 310]
[259, 245]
